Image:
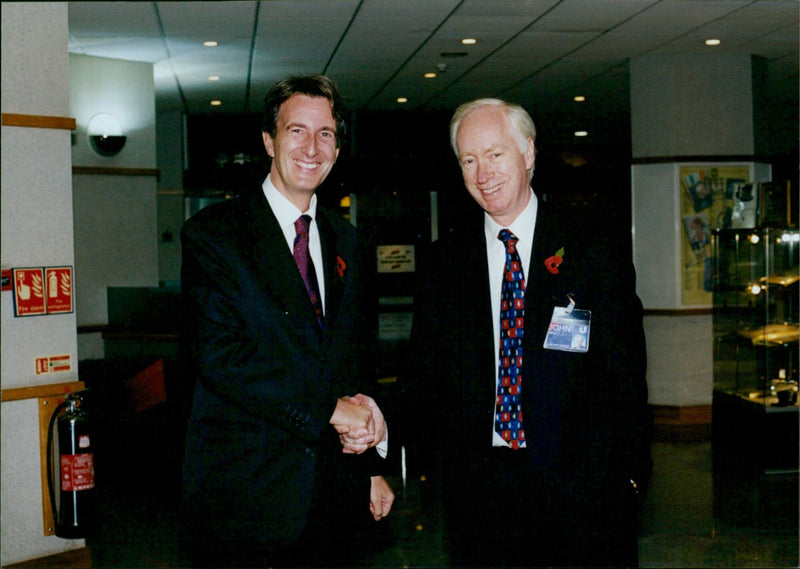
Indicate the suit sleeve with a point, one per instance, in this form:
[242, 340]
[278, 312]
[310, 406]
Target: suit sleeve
[623, 356]
[240, 367]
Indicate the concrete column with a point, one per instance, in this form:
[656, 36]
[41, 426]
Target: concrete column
[689, 115]
[37, 231]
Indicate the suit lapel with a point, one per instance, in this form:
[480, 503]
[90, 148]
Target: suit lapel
[272, 261]
[545, 286]
[473, 267]
[333, 283]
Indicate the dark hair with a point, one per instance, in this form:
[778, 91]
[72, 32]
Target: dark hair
[310, 85]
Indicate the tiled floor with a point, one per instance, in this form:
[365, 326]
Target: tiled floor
[679, 524]
[680, 528]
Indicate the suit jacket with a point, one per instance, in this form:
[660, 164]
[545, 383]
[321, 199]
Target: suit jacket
[267, 379]
[586, 415]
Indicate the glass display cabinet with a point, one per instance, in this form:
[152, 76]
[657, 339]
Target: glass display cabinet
[756, 315]
[755, 274]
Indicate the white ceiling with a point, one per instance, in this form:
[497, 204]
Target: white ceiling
[536, 52]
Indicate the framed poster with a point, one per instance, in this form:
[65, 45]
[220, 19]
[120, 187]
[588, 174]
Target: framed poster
[710, 194]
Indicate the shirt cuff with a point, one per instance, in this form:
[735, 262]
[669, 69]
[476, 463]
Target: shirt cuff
[383, 446]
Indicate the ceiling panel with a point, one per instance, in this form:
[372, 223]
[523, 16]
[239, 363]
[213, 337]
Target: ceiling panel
[537, 51]
[591, 15]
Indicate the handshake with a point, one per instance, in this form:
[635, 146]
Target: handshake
[359, 422]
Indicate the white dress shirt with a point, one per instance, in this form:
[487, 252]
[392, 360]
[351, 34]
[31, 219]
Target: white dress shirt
[287, 213]
[522, 227]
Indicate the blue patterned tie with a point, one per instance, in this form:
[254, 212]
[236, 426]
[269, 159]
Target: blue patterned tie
[508, 408]
[305, 265]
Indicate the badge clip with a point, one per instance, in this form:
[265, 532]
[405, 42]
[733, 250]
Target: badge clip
[569, 328]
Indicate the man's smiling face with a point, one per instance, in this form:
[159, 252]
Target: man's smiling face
[304, 148]
[495, 163]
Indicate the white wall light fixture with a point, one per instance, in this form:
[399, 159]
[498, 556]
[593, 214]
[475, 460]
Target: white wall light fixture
[105, 135]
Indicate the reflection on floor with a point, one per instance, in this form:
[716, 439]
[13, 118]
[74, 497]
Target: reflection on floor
[679, 525]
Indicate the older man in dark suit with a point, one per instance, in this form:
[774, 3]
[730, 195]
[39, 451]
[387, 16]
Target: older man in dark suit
[272, 283]
[532, 362]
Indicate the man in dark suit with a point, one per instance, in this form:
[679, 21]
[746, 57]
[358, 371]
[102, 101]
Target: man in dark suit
[537, 401]
[271, 475]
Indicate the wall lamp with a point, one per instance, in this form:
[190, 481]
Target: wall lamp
[105, 135]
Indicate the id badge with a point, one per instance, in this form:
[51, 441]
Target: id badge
[569, 330]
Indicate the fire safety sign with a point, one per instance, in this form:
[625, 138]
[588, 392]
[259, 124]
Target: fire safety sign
[59, 289]
[42, 290]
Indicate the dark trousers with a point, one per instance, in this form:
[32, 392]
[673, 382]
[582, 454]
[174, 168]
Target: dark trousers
[337, 532]
[506, 517]
[322, 544]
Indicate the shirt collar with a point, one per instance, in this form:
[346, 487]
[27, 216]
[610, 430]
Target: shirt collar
[522, 226]
[285, 211]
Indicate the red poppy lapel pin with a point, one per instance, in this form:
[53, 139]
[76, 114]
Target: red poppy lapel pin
[340, 266]
[552, 263]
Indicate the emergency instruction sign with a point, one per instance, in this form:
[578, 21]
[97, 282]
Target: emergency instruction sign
[29, 292]
[42, 290]
[59, 290]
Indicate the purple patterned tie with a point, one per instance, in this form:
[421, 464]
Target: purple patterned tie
[508, 409]
[305, 265]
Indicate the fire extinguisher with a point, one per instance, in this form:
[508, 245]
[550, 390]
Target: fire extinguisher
[73, 511]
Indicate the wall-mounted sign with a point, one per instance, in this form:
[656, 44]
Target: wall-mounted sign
[53, 364]
[394, 326]
[396, 259]
[59, 289]
[29, 292]
[42, 290]
[6, 280]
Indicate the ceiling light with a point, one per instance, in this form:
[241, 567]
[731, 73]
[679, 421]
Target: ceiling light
[713, 41]
[429, 75]
[213, 77]
[469, 41]
[581, 133]
[216, 103]
[210, 43]
[579, 98]
[402, 99]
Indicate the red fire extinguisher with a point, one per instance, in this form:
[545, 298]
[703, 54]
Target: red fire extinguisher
[73, 505]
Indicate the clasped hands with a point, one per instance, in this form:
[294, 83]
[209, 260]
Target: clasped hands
[361, 425]
[359, 422]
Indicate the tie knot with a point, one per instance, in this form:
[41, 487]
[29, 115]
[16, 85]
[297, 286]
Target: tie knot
[507, 237]
[302, 223]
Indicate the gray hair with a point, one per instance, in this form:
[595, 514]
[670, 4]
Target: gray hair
[519, 118]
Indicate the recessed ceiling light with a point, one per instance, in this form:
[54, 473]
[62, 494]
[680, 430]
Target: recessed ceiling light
[216, 103]
[581, 133]
[579, 98]
[713, 41]
[210, 43]
[429, 75]
[213, 77]
[402, 99]
[469, 41]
